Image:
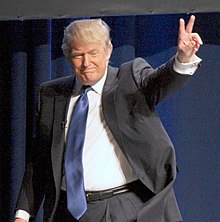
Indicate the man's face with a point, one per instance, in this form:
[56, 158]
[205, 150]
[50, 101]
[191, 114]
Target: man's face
[89, 61]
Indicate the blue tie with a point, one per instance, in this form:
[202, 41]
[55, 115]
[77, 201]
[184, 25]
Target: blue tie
[76, 199]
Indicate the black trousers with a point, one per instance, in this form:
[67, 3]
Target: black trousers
[122, 207]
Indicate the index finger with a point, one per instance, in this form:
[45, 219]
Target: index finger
[189, 26]
[181, 27]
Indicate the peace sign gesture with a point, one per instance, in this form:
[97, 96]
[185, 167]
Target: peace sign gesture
[188, 42]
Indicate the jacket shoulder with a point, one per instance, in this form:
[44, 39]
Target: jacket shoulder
[63, 85]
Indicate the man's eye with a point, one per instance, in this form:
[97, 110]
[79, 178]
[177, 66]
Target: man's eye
[76, 56]
[93, 53]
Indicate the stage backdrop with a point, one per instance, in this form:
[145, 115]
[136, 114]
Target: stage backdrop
[30, 54]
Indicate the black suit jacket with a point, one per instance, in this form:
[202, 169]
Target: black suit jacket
[130, 95]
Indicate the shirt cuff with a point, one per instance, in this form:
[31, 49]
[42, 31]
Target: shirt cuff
[22, 214]
[186, 68]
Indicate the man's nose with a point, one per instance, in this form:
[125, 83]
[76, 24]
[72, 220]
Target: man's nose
[86, 60]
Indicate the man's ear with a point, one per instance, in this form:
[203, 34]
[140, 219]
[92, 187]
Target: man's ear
[109, 51]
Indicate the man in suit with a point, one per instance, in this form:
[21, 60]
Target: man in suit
[128, 160]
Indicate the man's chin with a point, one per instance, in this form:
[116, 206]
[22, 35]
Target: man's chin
[90, 79]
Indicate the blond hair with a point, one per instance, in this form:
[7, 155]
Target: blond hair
[86, 31]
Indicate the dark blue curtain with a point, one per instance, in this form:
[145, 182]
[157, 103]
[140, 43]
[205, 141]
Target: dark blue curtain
[30, 54]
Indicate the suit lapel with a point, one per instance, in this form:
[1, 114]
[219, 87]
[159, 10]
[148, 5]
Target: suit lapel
[109, 103]
[61, 103]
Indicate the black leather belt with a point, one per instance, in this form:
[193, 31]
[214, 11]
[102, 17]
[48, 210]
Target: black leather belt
[136, 186]
[101, 195]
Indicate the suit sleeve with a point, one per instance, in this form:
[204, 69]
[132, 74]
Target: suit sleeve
[157, 83]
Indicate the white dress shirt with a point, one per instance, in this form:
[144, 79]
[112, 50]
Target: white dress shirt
[105, 166]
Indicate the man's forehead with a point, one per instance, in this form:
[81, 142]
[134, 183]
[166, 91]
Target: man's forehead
[87, 47]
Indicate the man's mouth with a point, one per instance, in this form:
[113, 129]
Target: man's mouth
[87, 71]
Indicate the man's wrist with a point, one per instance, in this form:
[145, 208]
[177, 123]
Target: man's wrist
[22, 214]
[186, 68]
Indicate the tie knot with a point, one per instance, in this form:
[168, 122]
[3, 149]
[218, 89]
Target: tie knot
[85, 89]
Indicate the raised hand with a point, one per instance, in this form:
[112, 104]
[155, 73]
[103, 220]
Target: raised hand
[188, 42]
